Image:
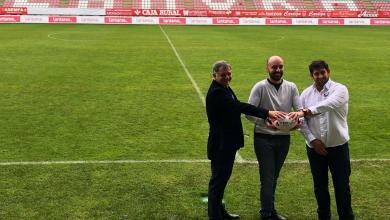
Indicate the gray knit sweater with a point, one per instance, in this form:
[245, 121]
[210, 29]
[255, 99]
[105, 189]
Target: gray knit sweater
[265, 95]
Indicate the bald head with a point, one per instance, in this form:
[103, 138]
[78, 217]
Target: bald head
[274, 58]
[275, 67]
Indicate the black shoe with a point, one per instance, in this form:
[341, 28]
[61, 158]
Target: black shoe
[276, 216]
[227, 216]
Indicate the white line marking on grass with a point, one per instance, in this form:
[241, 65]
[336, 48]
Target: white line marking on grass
[200, 94]
[99, 162]
[271, 40]
[57, 38]
[239, 159]
[68, 162]
[281, 38]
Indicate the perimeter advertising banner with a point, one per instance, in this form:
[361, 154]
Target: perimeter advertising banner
[196, 13]
[9, 19]
[128, 20]
[248, 13]
[383, 14]
[13, 10]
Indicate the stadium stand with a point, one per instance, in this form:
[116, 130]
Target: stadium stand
[219, 5]
[331, 5]
[32, 3]
[94, 4]
[383, 5]
[166, 4]
[280, 4]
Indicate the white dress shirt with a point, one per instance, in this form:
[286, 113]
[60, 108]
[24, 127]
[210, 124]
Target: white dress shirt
[330, 109]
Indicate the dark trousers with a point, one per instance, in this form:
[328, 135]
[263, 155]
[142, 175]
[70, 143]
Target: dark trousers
[338, 163]
[221, 170]
[271, 152]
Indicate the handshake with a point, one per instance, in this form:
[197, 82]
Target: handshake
[283, 121]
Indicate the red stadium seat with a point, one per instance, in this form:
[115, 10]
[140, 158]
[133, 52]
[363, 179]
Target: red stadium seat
[279, 4]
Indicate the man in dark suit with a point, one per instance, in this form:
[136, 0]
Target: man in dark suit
[225, 135]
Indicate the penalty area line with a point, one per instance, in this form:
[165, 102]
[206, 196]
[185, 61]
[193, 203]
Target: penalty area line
[69, 162]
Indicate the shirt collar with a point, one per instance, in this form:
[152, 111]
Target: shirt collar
[275, 84]
[326, 86]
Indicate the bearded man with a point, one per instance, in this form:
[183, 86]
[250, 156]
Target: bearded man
[272, 145]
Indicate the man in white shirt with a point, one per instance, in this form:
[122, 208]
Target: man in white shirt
[326, 133]
[272, 145]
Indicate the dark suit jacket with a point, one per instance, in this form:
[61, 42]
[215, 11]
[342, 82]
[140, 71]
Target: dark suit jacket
[224, 116]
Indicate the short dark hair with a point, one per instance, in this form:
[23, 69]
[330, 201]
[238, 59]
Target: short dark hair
[221, 63]
[318, 64]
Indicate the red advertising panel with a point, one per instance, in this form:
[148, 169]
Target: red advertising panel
[158, 12]
[148, 12]
[9, 19]
[13, 10]
[226, 21]
[195, 13]
[283, 13]
[278, 21]
[367, 14]
[344, 14]
[219, 13]
[117, 20]
[119, 12]
[270, 14]
[62, 19]
[330, 21]
[245, 13]
[295, 14]
[157, 4]
[383, 21]
[384, 14]
[172, 21]
[318, 14]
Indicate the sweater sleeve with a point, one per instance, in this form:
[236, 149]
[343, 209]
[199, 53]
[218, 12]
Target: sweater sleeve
[254, 99]
[296, 100]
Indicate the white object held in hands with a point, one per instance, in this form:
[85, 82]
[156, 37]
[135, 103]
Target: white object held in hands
[285, 124]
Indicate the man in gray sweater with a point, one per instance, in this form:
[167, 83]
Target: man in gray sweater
[272, 145]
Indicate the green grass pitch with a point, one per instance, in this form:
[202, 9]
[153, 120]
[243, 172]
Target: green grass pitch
[94, 92]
